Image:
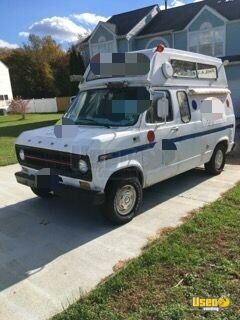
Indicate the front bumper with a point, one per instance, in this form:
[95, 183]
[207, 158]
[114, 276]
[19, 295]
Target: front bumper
[54, 183]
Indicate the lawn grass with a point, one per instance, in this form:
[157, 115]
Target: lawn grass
[199, 258]
[12, 125]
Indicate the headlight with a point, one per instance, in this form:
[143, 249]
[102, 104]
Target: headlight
[83, 166]
[21, 154]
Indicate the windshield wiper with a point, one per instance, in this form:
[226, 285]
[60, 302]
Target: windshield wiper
[87, 120]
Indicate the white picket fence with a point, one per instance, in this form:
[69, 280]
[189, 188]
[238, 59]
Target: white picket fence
[42, 105]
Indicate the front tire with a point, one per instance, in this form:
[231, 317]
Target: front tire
[217, 162]
[42, 193]
[123, 200]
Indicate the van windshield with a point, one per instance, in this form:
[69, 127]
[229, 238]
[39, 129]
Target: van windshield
[109, 106]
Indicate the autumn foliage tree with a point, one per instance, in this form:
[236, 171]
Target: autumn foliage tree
[19, 106]
[40, 69]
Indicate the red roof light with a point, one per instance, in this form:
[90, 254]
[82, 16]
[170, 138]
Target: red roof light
[160, 48]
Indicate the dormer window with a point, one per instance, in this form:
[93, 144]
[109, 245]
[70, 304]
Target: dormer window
[102, 46]
[208, 40]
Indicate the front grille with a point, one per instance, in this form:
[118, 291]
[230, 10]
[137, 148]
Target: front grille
[61, 163]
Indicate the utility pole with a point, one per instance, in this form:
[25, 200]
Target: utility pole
[165, 4]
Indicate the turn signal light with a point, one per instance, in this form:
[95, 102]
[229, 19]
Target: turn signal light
[151, 136]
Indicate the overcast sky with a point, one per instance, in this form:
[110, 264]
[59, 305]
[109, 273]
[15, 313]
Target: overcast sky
[62, 19]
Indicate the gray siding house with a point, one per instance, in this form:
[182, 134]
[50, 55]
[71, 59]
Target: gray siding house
[210, 27]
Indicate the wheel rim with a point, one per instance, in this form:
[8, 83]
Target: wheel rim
[125, 199]
[219, 159]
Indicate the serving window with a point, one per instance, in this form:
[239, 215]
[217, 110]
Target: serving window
[184, 69]
[193, 70]
[205, 71]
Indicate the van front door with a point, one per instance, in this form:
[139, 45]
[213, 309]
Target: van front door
[160, 161]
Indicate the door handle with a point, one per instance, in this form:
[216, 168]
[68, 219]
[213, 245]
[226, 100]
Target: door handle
[175, 129]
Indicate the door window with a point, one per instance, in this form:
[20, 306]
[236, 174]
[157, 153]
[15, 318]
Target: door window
[184, 106]
[152, 116]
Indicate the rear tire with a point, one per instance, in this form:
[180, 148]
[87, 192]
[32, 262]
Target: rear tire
[123, 200]
[42, 193]
[217, 162]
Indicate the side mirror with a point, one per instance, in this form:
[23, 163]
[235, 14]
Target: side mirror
[72, 98]
[163, 108]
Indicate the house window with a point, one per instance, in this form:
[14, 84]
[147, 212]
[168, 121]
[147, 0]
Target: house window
[207, 40]
[102, 46]
[3, 97]
[156, 41]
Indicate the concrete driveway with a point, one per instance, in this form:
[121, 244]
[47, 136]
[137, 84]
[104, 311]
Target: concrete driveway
[52, 251]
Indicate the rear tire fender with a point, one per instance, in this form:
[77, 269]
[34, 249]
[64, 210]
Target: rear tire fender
[212, 166]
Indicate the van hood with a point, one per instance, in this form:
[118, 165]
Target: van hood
[67, 138]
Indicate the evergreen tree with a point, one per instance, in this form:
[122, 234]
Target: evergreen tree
[77, 67]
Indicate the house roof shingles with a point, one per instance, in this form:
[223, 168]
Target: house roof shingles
[178, 18]
[175, 19]
[126, 21]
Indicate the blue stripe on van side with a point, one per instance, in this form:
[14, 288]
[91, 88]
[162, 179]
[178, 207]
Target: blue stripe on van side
[125, 152]
[202, 133]
[167, 144]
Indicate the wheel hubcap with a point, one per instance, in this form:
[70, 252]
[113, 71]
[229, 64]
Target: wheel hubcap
[125, 199]
[219, 159]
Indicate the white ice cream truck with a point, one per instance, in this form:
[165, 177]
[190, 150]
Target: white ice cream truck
[139, 118]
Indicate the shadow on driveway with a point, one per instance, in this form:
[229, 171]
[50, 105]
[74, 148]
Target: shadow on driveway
[37, 231]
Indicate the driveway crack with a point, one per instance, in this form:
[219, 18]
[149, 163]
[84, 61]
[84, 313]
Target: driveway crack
[192, 198]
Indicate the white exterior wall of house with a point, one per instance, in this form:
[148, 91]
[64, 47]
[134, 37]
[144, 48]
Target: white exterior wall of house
[5, 86]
